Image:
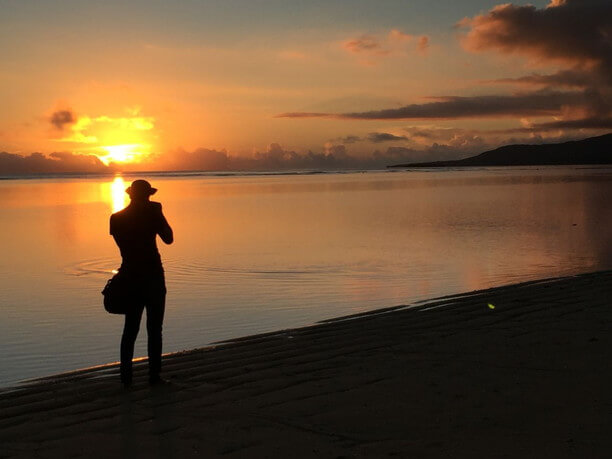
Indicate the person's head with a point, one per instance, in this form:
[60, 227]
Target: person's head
[140, 190]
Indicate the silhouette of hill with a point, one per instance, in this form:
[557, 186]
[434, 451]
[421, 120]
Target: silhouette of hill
[594, 150]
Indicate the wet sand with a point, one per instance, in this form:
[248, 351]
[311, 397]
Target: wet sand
[529, 377]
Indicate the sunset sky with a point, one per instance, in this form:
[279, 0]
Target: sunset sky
[265, 84]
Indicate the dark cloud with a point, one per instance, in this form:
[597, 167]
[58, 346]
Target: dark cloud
[421, 138]
[377, 137]
[573, 34]
[200, 159]
[60, 118]
[462, 140]
[446, 144]
[568, 78]
[349, 139]
[274, 158]
[333, 157]
[277, 158]
[380, 137]
[55, 163]
[536, 103]
[576, 34]
[419, 133]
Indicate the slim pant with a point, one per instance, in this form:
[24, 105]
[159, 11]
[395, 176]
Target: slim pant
[152, 297]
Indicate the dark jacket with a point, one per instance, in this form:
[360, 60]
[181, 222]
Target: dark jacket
[135, 229]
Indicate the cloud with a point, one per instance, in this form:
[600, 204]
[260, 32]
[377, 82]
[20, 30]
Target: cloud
[462, 140]
[111, 138]
[563, 78]
[573, 34]
[55, 163]
[396, 35]
[87, 129]
[374, 137]
[443, 144]
[61, 118]
[199, 159]
[337, 157]
[422, 138]
[396, 42]
[423, 44]
[349, 139]
[273, 159]
[535, 103]
[332, 156]
[599, 123]
[365, 44]
[378, 137]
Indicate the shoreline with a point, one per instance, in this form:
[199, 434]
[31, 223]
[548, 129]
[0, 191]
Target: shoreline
[527, 377]
[445, 300]
[103, 368]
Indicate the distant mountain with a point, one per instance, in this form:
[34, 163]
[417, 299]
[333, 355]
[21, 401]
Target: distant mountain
[594, 150]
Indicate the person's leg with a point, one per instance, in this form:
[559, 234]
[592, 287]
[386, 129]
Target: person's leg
[130, 332]
[156, 306]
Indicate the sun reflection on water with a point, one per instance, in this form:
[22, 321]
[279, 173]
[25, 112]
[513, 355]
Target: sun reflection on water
[117, 194]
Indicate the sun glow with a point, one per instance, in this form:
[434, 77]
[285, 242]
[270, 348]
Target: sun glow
[118, 140]
[126, 153]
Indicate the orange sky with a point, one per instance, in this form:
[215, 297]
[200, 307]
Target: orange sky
[137, 82]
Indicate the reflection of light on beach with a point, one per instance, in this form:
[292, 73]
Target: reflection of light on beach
[118, 195]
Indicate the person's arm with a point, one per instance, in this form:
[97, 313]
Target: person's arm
[164, 230]
[112, 232]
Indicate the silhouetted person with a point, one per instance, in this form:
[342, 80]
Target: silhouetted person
[135, 229]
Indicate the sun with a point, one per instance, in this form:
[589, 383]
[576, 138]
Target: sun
[124, 153]
[114, 139]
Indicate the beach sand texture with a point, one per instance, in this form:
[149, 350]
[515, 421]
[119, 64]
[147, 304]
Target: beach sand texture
[516, 371]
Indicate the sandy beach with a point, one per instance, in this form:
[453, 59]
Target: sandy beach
[516, 371]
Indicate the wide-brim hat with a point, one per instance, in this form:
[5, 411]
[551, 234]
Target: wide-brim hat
[140, 187]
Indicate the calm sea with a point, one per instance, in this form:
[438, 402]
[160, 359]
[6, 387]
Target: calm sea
[256, 253]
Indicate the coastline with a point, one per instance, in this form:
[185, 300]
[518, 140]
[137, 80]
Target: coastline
[452, 376]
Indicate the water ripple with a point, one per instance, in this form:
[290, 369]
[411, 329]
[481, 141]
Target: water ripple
[97, 266]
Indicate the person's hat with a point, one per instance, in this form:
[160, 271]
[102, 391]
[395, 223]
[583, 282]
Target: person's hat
[140, 188]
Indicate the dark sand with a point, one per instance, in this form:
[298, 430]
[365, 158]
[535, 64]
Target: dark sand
[530, 378]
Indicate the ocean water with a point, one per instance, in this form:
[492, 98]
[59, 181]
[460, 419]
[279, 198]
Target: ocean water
[261, 252]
